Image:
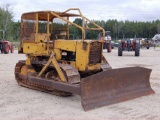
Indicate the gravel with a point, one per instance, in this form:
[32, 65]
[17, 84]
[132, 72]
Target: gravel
[19, 103]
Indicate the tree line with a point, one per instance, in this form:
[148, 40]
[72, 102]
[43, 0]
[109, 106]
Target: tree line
[123, 29]
[118, 29]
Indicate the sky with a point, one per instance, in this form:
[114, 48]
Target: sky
[132, 10]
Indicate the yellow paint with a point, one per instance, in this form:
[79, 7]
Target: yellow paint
[58, 69]
[81, 56]
[39, 44]
[93, 67]
[41, 37]
[23, 70]
[56, 65]
[58, 54]
[28, 61]
[34, 48]
[69, 45]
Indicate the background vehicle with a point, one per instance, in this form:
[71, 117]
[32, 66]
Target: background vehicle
[129, 45]
[146, 43]
[156, 40]
[61, 66]
[156, 37]
[113, 44]
[5, 46]
[107, 42]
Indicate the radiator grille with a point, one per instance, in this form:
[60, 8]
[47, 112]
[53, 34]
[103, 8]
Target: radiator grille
[95, 53]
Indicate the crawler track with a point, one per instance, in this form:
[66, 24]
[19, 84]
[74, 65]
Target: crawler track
[26, 83]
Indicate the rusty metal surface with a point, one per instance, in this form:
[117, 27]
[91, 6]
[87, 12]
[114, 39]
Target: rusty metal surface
[114, 86]
[18, 69]
[95, 52]
[104, 88]
[105, 66]
[23, 81]
[71, 73]
[62, 86]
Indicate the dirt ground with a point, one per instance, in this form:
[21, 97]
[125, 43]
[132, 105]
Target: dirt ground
[19, 103]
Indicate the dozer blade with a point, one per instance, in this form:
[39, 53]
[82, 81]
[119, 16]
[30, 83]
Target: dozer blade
[114, 86]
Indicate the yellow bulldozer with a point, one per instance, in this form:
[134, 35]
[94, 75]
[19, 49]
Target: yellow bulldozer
[62, 66]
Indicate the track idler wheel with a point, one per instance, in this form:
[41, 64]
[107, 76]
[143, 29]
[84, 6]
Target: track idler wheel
[53, 75]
